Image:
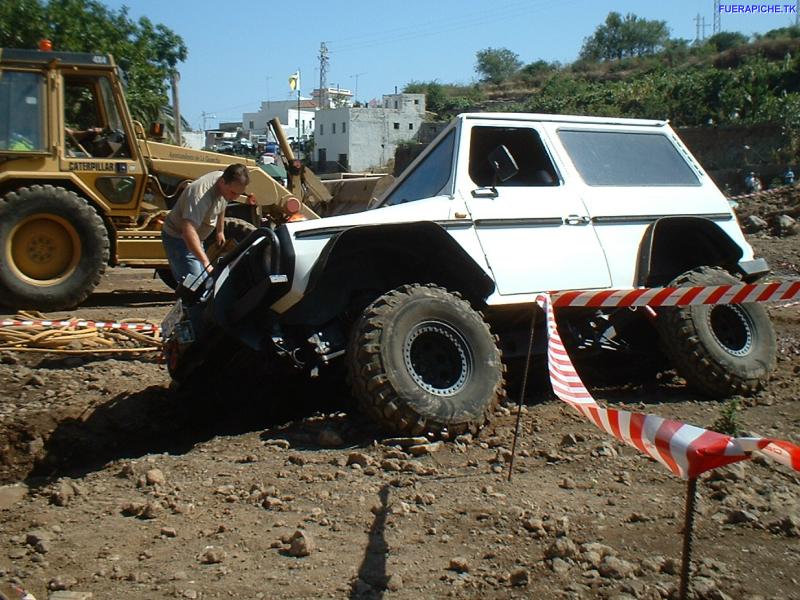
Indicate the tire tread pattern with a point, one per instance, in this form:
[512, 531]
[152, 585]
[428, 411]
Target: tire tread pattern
[74, 294]
[371, 385]
[683, 344]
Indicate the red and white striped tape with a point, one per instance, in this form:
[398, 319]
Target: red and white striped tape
[680, 296]
[79, 323]
[684, 449]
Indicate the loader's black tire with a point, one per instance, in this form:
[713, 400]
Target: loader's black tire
[235, 229]
[53, 248]
[421, 360]
[721, 350]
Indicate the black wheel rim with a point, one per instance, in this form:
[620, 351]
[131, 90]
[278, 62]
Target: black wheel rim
[438, 358]
[732, 328]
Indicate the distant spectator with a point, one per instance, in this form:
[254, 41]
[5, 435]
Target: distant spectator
[752, 183]
[788, 177]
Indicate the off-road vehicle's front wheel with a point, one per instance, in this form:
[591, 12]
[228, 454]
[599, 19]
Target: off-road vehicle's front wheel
[421, 360]
[721, 350]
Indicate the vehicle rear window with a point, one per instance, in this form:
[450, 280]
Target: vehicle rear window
[627, 158]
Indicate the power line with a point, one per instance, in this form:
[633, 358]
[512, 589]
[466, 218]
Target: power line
[436, 28]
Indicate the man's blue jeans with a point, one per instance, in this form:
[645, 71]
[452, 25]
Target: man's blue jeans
[182, 261]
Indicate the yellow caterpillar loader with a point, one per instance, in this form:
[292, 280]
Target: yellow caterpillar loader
[71, 204]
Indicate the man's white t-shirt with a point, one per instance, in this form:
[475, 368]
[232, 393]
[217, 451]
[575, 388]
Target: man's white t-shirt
[199, 203]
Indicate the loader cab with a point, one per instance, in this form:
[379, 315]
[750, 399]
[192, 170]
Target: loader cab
[46, 100]
[106, 160]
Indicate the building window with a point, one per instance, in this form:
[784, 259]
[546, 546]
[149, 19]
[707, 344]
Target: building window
[333, 128]
[395, 103]
[344, 127]
[416, 101]
[397, 125]
[252, 126]
[297, 124]
[321, 129]
[410, 126]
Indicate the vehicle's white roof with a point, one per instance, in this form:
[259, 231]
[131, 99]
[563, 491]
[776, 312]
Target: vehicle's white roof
[516, 116]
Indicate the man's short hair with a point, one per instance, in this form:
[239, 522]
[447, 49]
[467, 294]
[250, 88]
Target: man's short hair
[236, 172]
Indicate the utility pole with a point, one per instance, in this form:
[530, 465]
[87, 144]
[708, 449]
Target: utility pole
[357, 75]
[176, 110]
[717, 28]
[323, 75]
[700, 28]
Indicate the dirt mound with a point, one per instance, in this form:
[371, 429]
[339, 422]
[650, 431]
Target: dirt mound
[118, 487]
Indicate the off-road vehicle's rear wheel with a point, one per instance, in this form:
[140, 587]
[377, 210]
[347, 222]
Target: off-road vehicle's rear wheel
[721, 350]
[420, 359]
[53, 248]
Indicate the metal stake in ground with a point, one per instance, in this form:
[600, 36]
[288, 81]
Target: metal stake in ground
[522, 392]
[688, 526]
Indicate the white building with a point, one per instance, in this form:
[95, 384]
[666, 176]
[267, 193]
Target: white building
[334, 97]
[296, 124]
[361, 139]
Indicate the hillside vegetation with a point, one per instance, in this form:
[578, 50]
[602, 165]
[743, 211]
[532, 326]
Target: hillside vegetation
[631, 68]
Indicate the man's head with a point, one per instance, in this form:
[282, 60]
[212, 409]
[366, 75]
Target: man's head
[233, 182]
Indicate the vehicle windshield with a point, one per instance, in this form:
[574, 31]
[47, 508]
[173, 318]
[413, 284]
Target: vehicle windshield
[429, 177]
[21, 111]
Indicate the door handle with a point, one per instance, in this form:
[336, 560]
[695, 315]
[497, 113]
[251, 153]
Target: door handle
[577, 220]
[485, 192]
[460, 215]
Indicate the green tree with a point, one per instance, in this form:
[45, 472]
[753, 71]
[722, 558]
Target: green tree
[435, 98]
[148, 53]
[620, 37]
[725, 40]
[496, 65]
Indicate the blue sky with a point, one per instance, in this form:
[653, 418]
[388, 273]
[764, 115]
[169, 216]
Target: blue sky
[242, 52]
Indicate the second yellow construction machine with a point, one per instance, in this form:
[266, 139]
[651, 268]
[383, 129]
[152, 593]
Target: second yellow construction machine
[84, 186]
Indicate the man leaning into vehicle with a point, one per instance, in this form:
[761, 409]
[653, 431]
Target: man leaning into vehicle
[200, 209]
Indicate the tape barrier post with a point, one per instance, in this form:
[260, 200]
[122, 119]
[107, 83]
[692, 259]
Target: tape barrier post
[688, 531]
[522, 392]
[687, 451]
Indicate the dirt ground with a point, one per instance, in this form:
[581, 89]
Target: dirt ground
[116, 488]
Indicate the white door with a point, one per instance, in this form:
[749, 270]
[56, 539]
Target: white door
[534, 229]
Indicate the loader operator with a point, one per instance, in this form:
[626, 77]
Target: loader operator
[200, 210]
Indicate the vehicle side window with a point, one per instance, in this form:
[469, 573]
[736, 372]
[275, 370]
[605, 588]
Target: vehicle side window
[21, 111]
[429, 177]
[627, 158]
[535, 166]
[89, 104]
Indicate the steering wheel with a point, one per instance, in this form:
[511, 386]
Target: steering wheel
[114, 139]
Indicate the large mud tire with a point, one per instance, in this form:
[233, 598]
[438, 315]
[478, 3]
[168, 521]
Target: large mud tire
[721, 350]
[53, 248]
[237, 229]
[421, 360]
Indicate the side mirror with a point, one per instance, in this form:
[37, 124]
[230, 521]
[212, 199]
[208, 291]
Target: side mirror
[503, 164]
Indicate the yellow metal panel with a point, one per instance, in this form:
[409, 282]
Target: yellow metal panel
[140, 248]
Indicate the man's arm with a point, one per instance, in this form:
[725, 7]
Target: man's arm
[221, 229]
[189, 235]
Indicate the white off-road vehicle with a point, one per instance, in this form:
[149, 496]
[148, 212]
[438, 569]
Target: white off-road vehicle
[418, 295]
